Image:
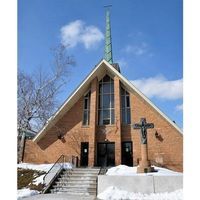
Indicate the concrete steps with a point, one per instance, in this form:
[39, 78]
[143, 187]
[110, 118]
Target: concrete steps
[79, 193]
[79, 185]
[79, 175]
[74, 190]
[78, 181]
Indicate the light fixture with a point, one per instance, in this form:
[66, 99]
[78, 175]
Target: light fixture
[156, 134]
[60, 136]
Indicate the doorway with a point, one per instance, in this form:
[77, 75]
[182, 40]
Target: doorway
[106, 154]
[84, 154]
[127, 153]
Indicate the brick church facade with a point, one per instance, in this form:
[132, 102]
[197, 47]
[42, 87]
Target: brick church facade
[95, 124]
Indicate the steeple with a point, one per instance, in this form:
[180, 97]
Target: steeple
[108, 40]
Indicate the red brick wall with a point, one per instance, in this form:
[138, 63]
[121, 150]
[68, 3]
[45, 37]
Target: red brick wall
[166, 150]
[49, 148]
[93, 122]
[117, 138]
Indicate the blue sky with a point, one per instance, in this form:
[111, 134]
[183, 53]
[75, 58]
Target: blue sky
[146, 36]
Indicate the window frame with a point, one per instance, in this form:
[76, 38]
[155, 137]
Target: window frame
[87, 110]
[125, 108]
[101, 102]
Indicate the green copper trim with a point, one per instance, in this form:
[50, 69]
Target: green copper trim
[108, 40]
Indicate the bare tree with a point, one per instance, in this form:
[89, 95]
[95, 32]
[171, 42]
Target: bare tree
[38, 92]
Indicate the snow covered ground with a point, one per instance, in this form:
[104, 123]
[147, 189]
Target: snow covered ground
[40, 167]
[26, 192]
[38, 180]
[113, 193]
[132, 171]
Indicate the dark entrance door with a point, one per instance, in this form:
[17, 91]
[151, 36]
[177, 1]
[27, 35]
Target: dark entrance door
[106, 154]
[127, 154]
[84, 154]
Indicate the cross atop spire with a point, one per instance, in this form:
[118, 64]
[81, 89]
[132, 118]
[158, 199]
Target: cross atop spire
[108, 40]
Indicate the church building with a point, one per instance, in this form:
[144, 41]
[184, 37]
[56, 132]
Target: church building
[95, 123]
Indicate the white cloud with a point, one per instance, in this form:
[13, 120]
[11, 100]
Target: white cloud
[138, 49]
[160, 87]
[179, 107]
[77, 32]
[122, 63]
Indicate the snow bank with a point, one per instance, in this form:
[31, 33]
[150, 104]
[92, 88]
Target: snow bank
[26, 192]
[123, 170]
[38, 180]
[45, 168]
[113, 193]
[41, 167]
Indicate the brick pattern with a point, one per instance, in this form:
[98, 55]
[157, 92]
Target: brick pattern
[166, 149]
[117, 120]
[93, 122]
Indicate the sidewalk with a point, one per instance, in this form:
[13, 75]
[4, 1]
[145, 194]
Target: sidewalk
[60, 197]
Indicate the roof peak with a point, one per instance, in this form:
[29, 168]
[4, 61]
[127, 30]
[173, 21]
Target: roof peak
[116, 66]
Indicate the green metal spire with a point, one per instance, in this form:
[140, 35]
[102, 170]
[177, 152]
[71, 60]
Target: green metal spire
[108, 40]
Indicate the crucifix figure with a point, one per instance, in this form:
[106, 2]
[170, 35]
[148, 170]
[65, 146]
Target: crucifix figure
[144, 164]
[143, 126]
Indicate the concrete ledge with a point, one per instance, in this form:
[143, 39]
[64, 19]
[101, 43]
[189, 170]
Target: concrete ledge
[167, 183]
[142, 184]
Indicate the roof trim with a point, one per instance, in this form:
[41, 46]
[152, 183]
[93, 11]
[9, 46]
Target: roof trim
[112, 69]
[49, 121]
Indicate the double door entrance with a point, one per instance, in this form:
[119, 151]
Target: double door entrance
[106, 154]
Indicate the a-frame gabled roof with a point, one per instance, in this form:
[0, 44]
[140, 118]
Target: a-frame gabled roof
[98, 71]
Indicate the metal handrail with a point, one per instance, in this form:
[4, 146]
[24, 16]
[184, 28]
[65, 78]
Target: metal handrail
[102, 171]
[53, 175]
[57, 161]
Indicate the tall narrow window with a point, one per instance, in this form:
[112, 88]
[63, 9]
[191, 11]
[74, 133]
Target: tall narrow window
[86, 109]
[125, 106]
[106, 101]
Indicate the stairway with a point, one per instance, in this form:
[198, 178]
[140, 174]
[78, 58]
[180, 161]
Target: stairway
[78, 181]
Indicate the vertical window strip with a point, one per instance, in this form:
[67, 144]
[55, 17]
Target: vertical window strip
[102, 109]
[86, 109]
[125, 97]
